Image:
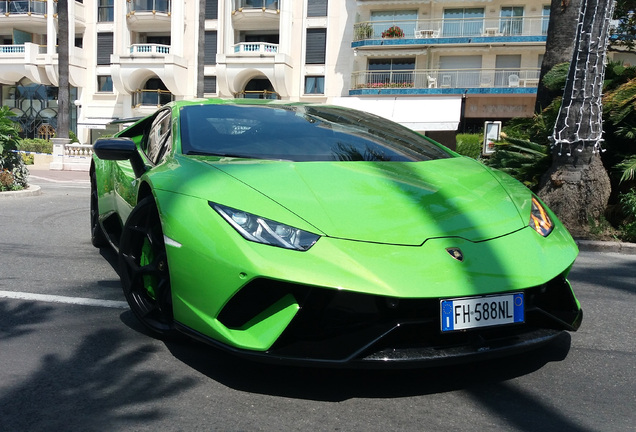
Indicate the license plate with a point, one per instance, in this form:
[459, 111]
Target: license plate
[473, 312]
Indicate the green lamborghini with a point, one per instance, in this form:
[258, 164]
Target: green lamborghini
[321, 235]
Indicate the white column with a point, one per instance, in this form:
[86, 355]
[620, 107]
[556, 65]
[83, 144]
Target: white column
[51, 34]
[177, 29]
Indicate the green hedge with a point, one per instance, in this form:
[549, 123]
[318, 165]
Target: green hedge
[469, 145]
[36, 145]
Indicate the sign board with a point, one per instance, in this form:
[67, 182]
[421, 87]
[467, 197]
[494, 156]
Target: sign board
[492, 133]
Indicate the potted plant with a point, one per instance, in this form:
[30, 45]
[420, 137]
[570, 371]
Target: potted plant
[393, 32]
[364, 31]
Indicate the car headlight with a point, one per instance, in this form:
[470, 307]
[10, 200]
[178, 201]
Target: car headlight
[539, 219]
[266, 231]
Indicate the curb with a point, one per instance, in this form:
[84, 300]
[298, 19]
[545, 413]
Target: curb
[32, 190]
[606, 246]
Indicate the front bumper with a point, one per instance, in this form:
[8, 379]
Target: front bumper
[343, 329]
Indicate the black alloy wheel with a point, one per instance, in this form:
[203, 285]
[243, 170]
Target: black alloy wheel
[144, 269]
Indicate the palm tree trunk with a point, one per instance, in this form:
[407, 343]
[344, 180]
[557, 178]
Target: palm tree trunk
[577, 186]
[559, 44]
[63, 95]
[201, 51]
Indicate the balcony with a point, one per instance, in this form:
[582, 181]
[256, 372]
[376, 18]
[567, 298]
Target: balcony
[23, 7]
[255, 15]
[445, 81]
[151, 98]
[149, 50]
[453, 31]
[149, 15]
[27, 15]
[241, 5]
[256, 49]
[34, 62]
[144, 61]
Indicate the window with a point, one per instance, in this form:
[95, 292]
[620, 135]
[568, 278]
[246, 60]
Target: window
[105, 11]
[210, 48]
[511, 22]
[545, 20]
[314, 85]
[507, 65]
[463, 22]
[209, 84]
[316, 46]
[104, 48]
[212, 9]
[461, 71]
[158, 140]
[316, 8]
[404, 19]
[397, 72]
[104, 83]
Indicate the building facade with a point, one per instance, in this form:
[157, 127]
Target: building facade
[432, 65]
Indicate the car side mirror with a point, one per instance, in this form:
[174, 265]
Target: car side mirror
[122, 148]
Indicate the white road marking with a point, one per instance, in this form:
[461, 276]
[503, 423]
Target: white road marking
[58, 181]
[62, 299]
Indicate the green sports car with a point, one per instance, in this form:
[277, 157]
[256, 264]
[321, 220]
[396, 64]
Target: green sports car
[322, 235]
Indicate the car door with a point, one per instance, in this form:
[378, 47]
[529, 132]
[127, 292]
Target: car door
[155, 144]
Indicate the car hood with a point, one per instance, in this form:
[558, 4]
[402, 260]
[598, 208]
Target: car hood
[389, 202]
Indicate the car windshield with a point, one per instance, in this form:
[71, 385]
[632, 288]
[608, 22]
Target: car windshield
[299, 133]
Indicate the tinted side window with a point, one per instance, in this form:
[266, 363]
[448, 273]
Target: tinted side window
[159, 140]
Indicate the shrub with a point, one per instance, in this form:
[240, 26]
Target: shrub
[14, 171]
[6, 181]
[469, 145]
[36, 145]
[628, 206]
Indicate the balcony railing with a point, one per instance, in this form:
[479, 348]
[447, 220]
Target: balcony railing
[23, 7]
[150, 49]
[11, 49]
[256, 48]
[445, 78]
[257, 94]
[151, 97]
[154, 6]
[256, 4]
[454, 28]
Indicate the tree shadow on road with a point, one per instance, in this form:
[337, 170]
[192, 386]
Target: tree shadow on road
[102, 385]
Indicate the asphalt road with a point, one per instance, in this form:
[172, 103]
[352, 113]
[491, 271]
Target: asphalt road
[72, 357]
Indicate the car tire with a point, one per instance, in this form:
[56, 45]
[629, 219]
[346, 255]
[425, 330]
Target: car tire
[144, 272]
[98, 237]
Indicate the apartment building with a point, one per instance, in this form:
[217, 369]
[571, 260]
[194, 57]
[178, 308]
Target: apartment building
[431, 65]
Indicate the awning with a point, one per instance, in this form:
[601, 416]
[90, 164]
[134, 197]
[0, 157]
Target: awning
[430, 113]
[95, 122]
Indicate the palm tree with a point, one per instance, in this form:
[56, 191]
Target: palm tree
[63, 95]
[577, 186]
[559, 45]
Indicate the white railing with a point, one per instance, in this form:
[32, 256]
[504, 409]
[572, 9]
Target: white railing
[256, 48]
[445, 78]
[149, 49]
[11, 49]
[452, 28]
[78, 150]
